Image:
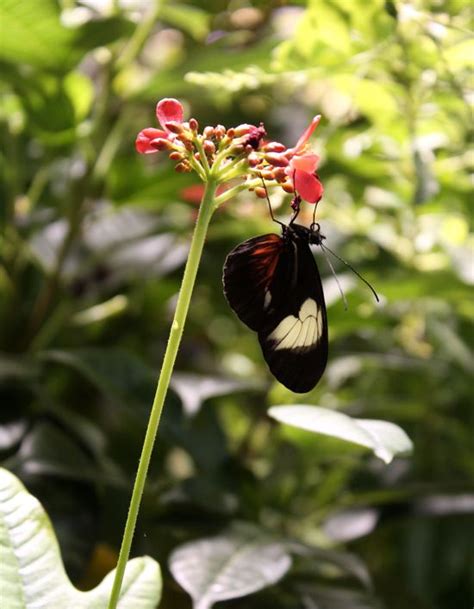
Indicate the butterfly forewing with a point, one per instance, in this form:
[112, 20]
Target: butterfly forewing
[249, 271]
[273, 285]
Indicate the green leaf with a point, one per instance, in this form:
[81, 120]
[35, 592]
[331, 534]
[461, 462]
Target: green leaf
[119, 374]
[234, 564]
[31, 570]
[194, 389]
[385, 439]
[32, 33]
[190, 19]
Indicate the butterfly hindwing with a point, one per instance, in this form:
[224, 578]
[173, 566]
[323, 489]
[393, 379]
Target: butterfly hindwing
[294, 339]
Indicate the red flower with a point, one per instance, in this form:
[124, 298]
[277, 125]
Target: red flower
[302, 167]
[307, 133]
[169, 112]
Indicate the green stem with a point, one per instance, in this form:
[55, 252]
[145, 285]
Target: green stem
[139, 37]
[202, 155]
[235, 170]
[235, 190]
[176, 332]
[109, 149]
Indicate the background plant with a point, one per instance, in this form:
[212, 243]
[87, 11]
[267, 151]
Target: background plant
[94, 238]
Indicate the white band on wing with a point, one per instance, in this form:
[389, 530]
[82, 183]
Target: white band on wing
[301, 332]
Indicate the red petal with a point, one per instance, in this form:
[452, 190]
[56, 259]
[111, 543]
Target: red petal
[305, 162]
[307, 133]
[145, 137]
[308, 186]
[169, 109]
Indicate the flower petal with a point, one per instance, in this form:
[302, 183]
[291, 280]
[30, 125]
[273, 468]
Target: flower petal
[305, 162]
[307, 133]
[169, 109]
[145, 137]
[308, 186]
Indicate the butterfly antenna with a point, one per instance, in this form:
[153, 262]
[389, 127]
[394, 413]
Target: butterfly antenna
[328, 260]
[268, 202]
[325, 247]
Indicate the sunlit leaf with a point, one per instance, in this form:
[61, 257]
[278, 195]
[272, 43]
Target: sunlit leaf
[31, 571]
[194, 389]
[349, 524]
[231, 565]
[32, 33]
[11, 433]
[385, 439]
[188, 18]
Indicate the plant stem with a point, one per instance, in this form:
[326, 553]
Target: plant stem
[139, 36]
[235, 190]
[182, 306]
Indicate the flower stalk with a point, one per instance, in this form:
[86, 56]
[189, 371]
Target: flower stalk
[217, 156]
[184, 298]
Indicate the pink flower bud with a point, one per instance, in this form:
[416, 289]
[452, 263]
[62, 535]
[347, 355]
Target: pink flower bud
[267, 174]
[161, 144]
[253, 159]
[274, 147]
[175, 127]
[280, 174]
[183, 167]
[251, 135]
[288, 187]
[277, 160]
[261, 192]
[209, 147]
[219, 132]
[193, 125]
[242, 129]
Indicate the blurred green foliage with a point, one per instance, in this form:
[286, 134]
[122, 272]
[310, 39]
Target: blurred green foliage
[93, 239]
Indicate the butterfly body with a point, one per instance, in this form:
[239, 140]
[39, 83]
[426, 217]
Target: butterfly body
[272, 283]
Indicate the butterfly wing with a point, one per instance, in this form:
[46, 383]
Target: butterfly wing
[294, 339]
[249, 271]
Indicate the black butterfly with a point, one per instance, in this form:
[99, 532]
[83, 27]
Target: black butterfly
[274, 286]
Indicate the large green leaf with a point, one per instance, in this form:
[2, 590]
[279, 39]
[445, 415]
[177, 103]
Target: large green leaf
[234, 564]
[190, 19]
[385, 439]
[32, 573]
[32, 33]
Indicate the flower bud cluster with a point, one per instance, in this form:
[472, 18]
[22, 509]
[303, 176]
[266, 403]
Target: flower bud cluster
[294, 169]
[186, 146]
[233, 152]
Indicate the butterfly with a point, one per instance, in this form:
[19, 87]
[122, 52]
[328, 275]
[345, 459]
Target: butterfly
[273, 284]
